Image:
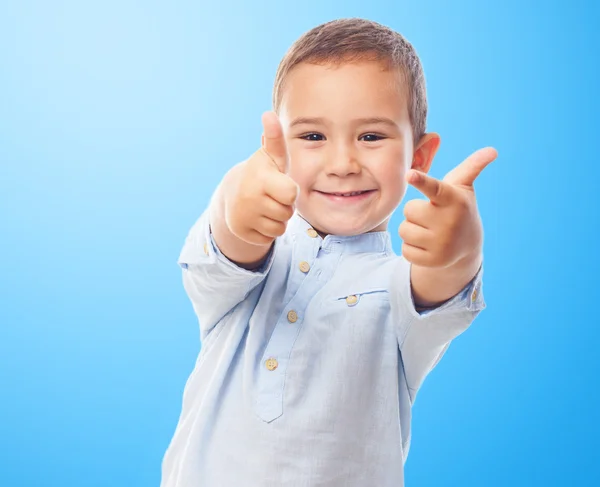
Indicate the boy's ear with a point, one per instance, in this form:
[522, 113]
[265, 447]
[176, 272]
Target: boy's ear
[425, 151]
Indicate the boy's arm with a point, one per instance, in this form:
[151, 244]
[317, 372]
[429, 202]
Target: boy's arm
[229, 250]
[437, 291]
[213, 283]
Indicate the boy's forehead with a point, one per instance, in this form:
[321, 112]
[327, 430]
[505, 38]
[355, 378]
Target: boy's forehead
[363, 89]
[308, 75]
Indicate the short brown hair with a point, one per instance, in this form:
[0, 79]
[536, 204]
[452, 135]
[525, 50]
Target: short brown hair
[351, 40]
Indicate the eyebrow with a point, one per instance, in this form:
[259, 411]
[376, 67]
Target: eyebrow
[360, 121]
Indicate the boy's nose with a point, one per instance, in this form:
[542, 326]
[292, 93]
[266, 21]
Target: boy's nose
[342, 162]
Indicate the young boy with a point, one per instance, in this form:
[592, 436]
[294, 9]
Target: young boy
[315, 335]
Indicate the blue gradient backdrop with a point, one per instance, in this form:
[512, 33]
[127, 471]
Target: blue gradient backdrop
[117, 120]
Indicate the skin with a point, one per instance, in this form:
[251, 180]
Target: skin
[325, 143]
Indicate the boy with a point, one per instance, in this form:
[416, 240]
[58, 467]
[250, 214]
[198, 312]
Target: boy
[315, 335]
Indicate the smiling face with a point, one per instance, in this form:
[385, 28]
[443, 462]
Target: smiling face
[350, 144]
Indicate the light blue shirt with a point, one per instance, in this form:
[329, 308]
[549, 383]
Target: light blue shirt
[309, 366]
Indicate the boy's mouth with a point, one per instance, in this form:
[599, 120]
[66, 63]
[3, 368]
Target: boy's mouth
[349, 193]
[347, 196]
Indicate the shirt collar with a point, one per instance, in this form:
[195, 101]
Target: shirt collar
[378, 242]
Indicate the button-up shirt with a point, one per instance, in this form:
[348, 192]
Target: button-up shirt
[309, 366]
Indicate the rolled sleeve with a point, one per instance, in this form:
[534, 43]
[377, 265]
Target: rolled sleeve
[424, 336]
[214, 284]
[470, 298]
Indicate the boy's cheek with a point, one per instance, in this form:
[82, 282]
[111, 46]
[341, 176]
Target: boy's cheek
[395, 187]
[301, 168]
[297, 175]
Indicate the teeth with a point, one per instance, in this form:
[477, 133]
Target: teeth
[349, 194]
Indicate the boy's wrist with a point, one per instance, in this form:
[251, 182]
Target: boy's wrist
[432, 287]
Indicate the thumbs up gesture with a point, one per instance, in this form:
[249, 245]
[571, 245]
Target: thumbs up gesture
[259, 196]
[447, 228]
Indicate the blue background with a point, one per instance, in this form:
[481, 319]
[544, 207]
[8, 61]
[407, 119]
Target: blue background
[118, 119]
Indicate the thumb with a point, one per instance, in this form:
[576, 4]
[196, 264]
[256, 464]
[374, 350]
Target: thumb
[468, 170]
[273, 141]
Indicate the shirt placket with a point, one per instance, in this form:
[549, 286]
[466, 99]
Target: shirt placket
[305, 268]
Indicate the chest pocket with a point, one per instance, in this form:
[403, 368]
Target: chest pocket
[363, 299]
[360, 306]
[359, 316]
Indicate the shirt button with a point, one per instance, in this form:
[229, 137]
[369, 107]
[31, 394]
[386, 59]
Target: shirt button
[271, 364]
[352, 299]
[312, 233]
[292, 316]
[206, 248]
[474, 295]
[304, 266]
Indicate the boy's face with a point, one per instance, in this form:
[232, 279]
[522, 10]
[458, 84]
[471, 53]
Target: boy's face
[350, 144]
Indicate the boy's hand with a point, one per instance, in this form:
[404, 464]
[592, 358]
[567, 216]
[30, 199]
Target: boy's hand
[259, 196]
[446, 229]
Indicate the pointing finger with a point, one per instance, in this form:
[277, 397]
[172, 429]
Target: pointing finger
[437, 191]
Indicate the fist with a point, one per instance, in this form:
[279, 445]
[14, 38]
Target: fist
[446, 229]
[259, 196]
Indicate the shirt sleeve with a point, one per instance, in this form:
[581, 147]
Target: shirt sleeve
[213, 283]
[425, 336]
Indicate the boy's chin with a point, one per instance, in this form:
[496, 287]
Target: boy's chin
[329, 226]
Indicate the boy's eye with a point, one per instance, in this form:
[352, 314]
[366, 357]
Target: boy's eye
[372, 137]
[314, 137]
